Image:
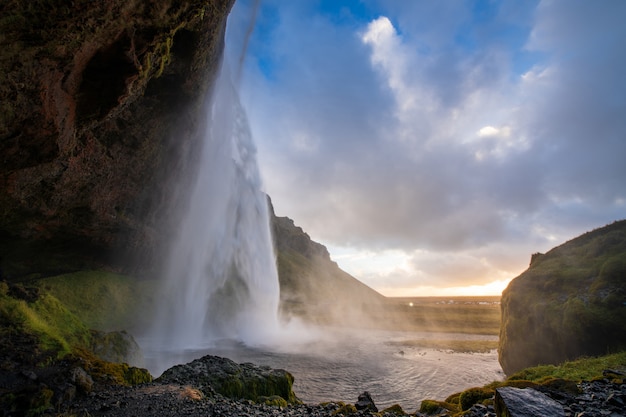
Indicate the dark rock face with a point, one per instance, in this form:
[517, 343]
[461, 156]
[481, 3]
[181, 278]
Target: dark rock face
[570, 302]
[101, 102]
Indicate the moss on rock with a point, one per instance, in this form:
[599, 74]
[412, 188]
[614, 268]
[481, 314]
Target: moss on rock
[237, 381]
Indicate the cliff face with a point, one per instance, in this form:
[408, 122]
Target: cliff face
[570, 302]
[313, 287]
[101, 102]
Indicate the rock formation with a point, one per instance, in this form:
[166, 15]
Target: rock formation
[100, 108]
[313, 286]
[213, 374]
[570, 302]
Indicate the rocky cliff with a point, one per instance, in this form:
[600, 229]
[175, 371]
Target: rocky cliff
[313, 287]
[570, 302]
[99, 114]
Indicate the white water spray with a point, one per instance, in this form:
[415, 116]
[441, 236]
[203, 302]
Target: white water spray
[221, 280]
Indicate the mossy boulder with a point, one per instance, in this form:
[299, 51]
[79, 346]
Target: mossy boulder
[570, 302]
[238, 381]
[433, 407]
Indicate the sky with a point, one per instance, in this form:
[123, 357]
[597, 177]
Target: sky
[433, 146]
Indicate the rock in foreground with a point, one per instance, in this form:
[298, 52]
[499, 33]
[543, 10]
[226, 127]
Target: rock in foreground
[213, 374]
[527, 402]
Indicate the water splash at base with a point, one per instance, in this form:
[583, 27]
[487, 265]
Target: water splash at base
[220, 280]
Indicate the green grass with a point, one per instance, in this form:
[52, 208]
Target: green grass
[54, 326]
[469, 315]
[578, 370]
[102, 300]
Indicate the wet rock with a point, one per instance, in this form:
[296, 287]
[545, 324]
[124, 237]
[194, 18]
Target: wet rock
[117, 347]
[527, 402]
[239, 381]
[81, 379]
[365, 402]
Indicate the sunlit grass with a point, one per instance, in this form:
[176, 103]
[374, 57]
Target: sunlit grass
[468, 315]
[577, 370]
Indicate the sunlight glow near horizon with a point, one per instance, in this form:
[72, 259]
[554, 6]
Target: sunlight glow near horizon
[492, 288]
[382, 270]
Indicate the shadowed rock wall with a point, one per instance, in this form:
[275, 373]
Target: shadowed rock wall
[101, 105]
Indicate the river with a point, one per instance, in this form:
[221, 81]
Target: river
[343, 363]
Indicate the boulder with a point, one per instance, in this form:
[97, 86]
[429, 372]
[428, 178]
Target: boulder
[365, 402]
[213, 374]
[117, 347]
[526, 402]
[81, 379]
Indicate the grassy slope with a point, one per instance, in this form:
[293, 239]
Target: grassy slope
[54, 327]
[102, 300]
[570, 302]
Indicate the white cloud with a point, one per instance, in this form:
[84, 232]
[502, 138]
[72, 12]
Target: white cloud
[390, 135]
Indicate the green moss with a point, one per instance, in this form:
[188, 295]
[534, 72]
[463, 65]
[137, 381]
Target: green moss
[56, 328]
[569, 303]
[255, 389]
[102, 300]
[431, 407]
[474, 396]
[344, 409]
[274, 401]
[118, 373]
[578, 370]
[394, 409]
[564, 377]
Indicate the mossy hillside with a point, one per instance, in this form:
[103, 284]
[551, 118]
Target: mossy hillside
[57, 334]
[102, 300]
[43, 316]
[569, 303]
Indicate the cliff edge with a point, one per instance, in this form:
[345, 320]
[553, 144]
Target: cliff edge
[570, 302]
[98, 118]
[313, 287]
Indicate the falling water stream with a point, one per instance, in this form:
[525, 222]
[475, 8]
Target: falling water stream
[220, 279]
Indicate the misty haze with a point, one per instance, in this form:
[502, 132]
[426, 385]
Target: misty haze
[313, 208]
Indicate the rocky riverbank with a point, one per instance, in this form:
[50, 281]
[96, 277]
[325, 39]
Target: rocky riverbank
[595, 399]
[212, 386]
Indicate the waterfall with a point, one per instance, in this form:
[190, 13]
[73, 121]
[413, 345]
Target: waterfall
[220, 279]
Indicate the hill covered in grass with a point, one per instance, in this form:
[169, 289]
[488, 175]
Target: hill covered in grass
[570, 302]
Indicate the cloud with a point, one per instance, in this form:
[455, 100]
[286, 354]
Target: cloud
[433, 128]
